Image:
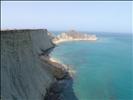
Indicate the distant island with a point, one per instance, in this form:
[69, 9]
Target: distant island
[73, 35]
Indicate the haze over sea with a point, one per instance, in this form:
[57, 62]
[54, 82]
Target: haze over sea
[103, 67]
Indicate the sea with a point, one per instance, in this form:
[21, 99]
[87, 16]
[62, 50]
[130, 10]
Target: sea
[103, 68]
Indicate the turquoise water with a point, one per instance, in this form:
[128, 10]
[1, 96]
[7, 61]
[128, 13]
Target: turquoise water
[103, 67]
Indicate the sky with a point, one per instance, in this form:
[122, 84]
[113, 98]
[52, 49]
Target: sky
[97, 16]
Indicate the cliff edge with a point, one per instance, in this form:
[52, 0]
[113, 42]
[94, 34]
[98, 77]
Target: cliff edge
[23, 75]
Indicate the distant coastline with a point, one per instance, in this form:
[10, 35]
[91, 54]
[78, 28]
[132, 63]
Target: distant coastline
[73, 36]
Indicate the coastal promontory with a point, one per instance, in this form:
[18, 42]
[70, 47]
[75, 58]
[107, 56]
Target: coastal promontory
[27, 71]
[73, 35]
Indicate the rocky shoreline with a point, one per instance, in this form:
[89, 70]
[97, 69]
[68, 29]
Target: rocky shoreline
[62, 75]
[73, 36]
[56, 89]
[27, 70]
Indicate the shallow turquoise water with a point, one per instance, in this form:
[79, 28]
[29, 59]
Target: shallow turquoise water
[103, 67]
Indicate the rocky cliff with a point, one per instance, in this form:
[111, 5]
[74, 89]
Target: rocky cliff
[73, 35]
[23, 75]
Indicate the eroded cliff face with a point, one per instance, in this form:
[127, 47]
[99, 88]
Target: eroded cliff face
[23, 75]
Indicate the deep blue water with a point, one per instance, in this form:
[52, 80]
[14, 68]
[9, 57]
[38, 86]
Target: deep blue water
[103, 67]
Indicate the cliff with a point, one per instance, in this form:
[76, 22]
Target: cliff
[23, 75]
[73, 35]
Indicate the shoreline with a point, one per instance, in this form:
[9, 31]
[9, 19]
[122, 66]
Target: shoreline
[67, 40]
[66, 66]
[73, 35]
[46, 76]
[58, 65]
[63, 79]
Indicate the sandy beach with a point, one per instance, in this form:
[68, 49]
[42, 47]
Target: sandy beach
[65, 40]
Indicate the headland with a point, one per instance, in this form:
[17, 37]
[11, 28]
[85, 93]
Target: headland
[73, 36]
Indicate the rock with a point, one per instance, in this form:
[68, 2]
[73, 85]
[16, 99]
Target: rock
[23, 75]
[73, 35]
[55, 91]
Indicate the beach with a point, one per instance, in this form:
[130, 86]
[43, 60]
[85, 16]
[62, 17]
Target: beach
[65, 40]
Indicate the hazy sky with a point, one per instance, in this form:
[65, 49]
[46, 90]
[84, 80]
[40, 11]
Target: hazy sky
[102, 16]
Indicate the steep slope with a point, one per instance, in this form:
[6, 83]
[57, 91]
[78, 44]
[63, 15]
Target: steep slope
[23, 75]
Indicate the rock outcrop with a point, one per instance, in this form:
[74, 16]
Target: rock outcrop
[73, 35]
[23, 75]
[60, 71]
